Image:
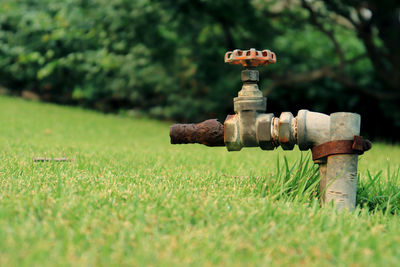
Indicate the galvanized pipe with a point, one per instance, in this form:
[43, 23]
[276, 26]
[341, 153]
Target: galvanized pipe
[341, 173]
[313, 128]
[322, 168]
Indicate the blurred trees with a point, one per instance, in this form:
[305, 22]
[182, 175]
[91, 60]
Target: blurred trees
[165, 57]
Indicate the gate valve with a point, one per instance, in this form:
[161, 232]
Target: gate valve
[250, 58]
[333, 139]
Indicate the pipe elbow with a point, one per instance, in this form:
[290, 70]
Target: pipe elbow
[313, 128]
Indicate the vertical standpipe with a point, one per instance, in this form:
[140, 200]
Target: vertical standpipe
[341, 173]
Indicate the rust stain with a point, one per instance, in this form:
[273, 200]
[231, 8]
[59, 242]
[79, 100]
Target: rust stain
[209, 133]
[356, 146]
[282, 139]
[275, 131]
[250, 58]
[294, 127]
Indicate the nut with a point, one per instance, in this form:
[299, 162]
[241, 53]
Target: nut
[231, 133]
[263, 131]
[286, 138]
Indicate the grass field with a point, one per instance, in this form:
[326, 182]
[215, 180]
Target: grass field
[131, 198]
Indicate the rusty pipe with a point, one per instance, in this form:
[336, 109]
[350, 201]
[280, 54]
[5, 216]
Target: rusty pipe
[209, 133]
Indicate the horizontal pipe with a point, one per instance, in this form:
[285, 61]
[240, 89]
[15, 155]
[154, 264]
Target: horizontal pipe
[209, 133]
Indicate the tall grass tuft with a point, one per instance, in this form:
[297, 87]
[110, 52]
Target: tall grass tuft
[296, 182]
[300, 182]
[380, 194]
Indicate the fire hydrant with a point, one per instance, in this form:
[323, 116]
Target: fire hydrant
[334, 140]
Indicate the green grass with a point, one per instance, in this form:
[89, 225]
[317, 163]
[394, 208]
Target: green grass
[131, 198]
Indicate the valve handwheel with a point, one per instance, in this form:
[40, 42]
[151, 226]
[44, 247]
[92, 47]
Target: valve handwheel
[250, 58]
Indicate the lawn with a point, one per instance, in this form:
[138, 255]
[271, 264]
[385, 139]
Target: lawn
[130, 198]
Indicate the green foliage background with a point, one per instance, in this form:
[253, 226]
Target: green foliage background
[165, 58]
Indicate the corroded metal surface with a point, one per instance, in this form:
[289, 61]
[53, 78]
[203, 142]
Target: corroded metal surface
[356, 146]
[250, 58]
[209, 133]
